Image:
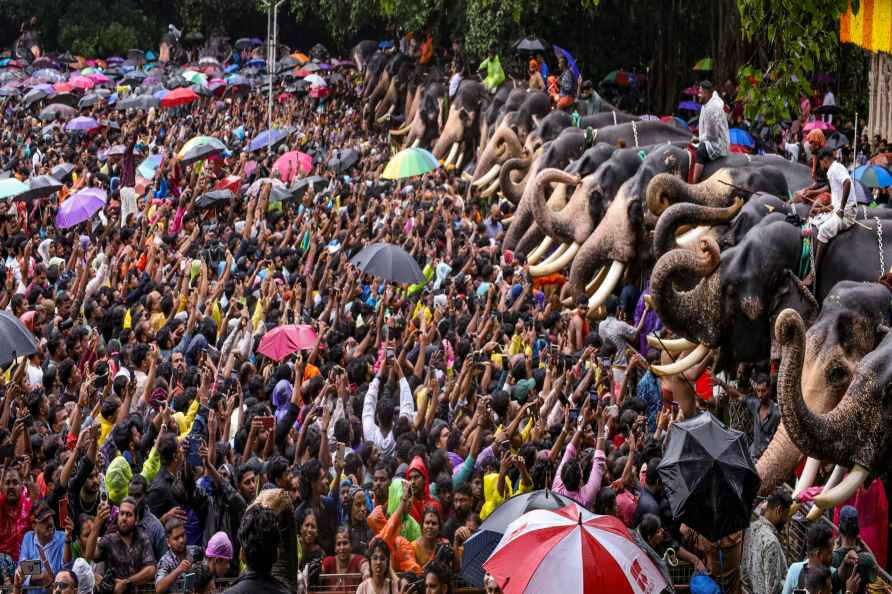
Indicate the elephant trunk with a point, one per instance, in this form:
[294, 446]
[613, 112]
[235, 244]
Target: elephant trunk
[828, 436]
[504, 145]
[551, 221]
[513, 191]
[666, 189]
[445, 141]
[693, 313]
[688, 214]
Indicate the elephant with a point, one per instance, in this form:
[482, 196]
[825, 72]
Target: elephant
[622, 239]
[362, 53]
[575, 222]
[558, 120]
[462, 125]
[398, 83]
[645, 132]
[852, 322]
[728, 300]
[853, 434]
[422, 123]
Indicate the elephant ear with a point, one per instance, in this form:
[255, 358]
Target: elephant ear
[856, 333]
[794, 294]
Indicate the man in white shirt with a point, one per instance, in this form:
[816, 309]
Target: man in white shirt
[843, 209]
[715, 139]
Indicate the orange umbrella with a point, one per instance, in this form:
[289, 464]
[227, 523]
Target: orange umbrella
[300, 57]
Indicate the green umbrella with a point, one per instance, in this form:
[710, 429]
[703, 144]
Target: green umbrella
[11, 187]
[410, 163]
[704, 65]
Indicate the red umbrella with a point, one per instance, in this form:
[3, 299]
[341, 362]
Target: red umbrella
[292, 163]
[302, 73]
[556, 552]
[317, 92]
[281, 341]
[63, 87]
[178, 97]
[230, 182]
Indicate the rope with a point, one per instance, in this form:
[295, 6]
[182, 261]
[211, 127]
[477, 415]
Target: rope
[880, 244]
[805, 257]
[635, 132]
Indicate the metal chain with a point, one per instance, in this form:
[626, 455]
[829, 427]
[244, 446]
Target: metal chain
[635, 132]
[614, 117]
[880, 243]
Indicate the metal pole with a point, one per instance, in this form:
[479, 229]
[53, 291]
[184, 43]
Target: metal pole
[271, 64]
[855, 143]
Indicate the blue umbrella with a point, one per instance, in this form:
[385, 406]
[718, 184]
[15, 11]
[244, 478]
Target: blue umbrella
[161, 94]
[742, 137]
[559, 51]
[873, 176]
[231, 68]
[147, 168]
[267, 138]
[256, 62]
[689, 106]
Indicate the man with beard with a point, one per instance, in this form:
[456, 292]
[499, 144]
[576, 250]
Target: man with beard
[83, 488]
[15, 511]
[764, 564]
[148, 523]
[127, 553]
[765, 412]
[44, 543]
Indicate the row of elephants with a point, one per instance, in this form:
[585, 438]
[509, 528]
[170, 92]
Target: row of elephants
[606, 196]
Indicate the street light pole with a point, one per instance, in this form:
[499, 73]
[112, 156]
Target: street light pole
[272, 33]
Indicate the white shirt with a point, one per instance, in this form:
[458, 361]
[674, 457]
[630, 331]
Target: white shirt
[713, 127]
[370, 429]
[837, 175]
[829, 99]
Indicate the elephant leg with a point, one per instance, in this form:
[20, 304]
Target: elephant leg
[520, 223]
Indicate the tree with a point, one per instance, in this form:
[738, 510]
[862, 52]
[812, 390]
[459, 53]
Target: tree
[790, 40]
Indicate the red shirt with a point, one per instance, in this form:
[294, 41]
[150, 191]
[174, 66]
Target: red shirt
[14, 523]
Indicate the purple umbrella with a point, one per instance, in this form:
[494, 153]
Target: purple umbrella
[80, 207]
[82, 124]
[560, 52]
[689, 106]
[324, 66]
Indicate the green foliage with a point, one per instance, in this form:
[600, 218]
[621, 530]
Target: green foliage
[794, 39]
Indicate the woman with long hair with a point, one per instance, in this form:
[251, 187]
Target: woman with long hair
[382, 579]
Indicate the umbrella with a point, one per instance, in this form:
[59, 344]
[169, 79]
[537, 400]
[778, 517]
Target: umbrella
[209, 61]
[836, 140]
[343, 159]
[709, 477]
[214, 198]
[692, 91]
[529, 45]
[292, 163]
[196, 78]
[66, 98]
[193, 37]
[704, 65]
[116, 150]
[279, 192]
[689, 106]
[180, 96]
[81, 82]
[560, 52]
[817, 125]
[315, 182]
[80, 207]
[99, 78]
[283, 340]
[829, 110]
[741, 137]
[15, 339]
[311, 67]
[409, 163]
[389, 262]
[618, 77]
[39, 187]
[200, 147]
[873, 176]
[243, 43]
[61, 171]
[33, 96]
[319, 91]
[319, 51]
[267, 139]
[138, 102]
[315, 79]
[147, 168]
[135, 76]
[89, 100]
[557, 551]
[82, 124]
[55, 110]
[11, 187]
[650, 118]
[483, 542]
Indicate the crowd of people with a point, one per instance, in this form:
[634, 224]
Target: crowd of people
[148, 444]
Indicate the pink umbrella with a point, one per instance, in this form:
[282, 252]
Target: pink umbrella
[293, 163]
[61, 87]
[281, 341]
[817, 125]
[98, 78]
[81, 82]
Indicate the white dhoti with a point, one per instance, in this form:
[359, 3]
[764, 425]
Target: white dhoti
[832, 225]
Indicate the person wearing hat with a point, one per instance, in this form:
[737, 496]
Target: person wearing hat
[218, 554]
[712, 129]
[43, 543]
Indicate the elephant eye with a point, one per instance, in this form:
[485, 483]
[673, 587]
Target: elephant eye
[837, 374]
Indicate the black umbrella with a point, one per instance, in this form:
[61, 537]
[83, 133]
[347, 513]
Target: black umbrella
[60, 172]
[135, 76]
[836, 140]
[15, 339]
[483, 542]
[388, 262]
[314, 182]
[69, 99]
[33, 96]
[343, 160]
[243, 43]
[39, 187]
[709, 477]
[54, 110]
[214, 198]
[193, 37]
[319, 51]
[89, 100]
[829, 110]
[529, 45]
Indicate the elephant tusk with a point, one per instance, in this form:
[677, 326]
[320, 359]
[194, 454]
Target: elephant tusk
[466, 177]
[683, 364]
[507, 220]
[807, 478]
[670, 345]
[490, 175]
[401, 131]
[556, 253]
[492, 189]
[610, 281]
[387, 115]
[841, 492]
[416, 142]
[452, 152]
[692, 236]
[461, 157]
[537, 253]
[558, 263]
[596, 281]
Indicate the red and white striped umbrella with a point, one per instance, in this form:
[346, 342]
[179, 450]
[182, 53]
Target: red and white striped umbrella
[555, 551]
